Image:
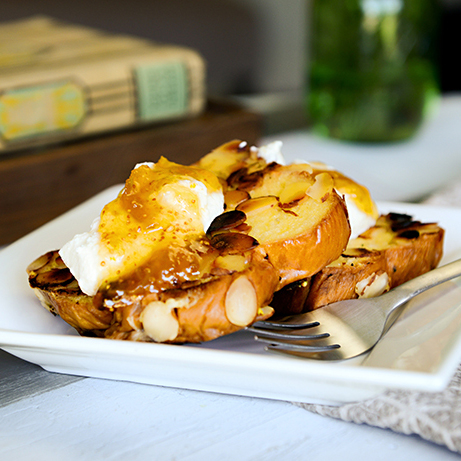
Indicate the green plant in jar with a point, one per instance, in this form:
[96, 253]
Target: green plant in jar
[372, 76]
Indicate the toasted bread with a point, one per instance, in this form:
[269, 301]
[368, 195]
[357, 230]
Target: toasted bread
[205, 309]
[292, 218]
[58, 291]
[276, 229]
[292, 210]
[394, 251]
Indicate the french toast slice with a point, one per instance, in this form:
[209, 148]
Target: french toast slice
[297, 217]
[276, 228]
[292, 210]
[392, 252]
[193, 312]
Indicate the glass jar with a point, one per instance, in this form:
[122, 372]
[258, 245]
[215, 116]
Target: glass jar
[373, 73]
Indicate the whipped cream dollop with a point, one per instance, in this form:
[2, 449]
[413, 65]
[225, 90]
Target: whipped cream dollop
[272, 152]
[358, 219]
[81, 256]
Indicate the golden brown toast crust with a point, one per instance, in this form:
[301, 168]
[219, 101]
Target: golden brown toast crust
[59, 292]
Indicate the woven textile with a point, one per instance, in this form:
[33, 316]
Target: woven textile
[433, 416]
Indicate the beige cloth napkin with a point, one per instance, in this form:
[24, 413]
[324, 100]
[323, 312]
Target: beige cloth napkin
[432, 416]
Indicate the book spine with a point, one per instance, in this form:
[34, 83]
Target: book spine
[82, 100]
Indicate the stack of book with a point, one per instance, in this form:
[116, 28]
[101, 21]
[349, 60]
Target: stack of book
[61, 81]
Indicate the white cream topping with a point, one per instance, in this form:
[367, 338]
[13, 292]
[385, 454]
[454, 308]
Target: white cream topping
[89, 261]
[151, 165]
[359, 221]
[81, 256]
[210, 204]
[272, 152]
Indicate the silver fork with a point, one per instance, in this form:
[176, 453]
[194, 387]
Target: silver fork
[346, 329]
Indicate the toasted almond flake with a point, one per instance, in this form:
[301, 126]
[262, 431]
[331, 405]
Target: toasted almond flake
[241, 302]
[233, 198]
[259, 204]
[322, 186]
[234, 263]
[159, 321]
[294, 191]
[374, 285]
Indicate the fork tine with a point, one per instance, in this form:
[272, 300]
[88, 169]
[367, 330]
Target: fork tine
[288, 336]
[282, 324]
[283, 346]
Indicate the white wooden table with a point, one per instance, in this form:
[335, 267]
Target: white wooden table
[45, 416]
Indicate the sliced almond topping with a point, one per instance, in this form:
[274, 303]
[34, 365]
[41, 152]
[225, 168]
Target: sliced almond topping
[40, 262]
[258, 204]
[233, 198]
[265, 312]
[233, 242]
[236, 177]
[374, 285]
[159, 320]
[53, 277]
[322, 186]
[256, 165]
[294, 191]
[226, 221]
[241, 302]
[233, 263]
[59, 263]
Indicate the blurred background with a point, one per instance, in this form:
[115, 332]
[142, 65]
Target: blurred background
[256, 50]
[257, 54]
[253, 48]
[250, 45]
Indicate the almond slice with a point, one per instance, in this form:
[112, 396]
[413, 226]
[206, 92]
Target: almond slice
[159, 320]
[233, 242]
[226, 221]
[294, 191]
[373, 285]
[53, 277]
[233, 198]
[40, 262]
[241, 303]
[233, 263]
[322, 186]
[258, 204]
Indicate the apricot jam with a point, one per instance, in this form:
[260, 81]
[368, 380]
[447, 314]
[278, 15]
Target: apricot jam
[146, 232]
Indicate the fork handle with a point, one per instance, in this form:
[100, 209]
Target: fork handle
[418, 285]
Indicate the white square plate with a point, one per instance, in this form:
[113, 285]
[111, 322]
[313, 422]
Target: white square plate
[421, 351]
